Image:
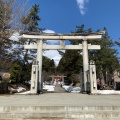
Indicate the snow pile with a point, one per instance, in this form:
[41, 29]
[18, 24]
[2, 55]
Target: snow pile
[49, 88]
[72, 89]
[18, 89]
[76, 89]
[108, 92]
[24, 93]
[65, 87]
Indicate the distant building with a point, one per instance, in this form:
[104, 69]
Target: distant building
[117, 80]
[116, 76]
[5, 74]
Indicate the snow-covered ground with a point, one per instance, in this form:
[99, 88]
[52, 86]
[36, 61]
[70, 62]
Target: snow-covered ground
[77, 89]
[70, 89]
[107, 92]
[49, 88]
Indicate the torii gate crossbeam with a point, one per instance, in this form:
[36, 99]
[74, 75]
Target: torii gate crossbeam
[84, 46]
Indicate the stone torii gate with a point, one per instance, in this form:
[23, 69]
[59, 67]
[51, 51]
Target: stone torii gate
[84, 37]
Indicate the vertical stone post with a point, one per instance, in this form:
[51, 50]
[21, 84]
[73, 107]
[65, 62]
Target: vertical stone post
[63, 80]
[81, 81]
[85, 63]
[52, 79]
[34, 78]
[39, 59]
[93, 82]
[43, 78]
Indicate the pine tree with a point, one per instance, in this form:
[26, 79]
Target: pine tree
[70, 64]
[106, 58]
[48, 65]
[20, 73]
[30, 23]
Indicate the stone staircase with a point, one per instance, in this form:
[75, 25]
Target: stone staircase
[59, 113]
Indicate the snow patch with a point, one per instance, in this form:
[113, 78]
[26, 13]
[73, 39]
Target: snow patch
[49, 88]
[107, 92]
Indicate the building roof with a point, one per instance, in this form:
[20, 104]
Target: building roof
[5, 74]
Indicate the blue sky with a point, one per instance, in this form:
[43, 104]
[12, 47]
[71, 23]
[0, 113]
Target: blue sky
[62, 16]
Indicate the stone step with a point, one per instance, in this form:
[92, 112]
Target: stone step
[60, 119]
[81, 114]
[59, 112]
[57, 108]
[58, 116]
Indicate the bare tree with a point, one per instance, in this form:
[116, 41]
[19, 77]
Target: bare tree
[11, 12]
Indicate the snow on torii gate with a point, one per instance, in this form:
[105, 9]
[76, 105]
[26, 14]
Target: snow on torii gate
[62, 37]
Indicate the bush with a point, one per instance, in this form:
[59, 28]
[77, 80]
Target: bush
[4, 88]
[6, 80]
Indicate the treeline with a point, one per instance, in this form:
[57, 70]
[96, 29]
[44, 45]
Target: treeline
[106, 59]
[13, 57]
[17, 60]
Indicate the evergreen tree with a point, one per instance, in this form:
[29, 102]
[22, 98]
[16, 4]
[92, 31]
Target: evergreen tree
[20, 74]
[31, 21]
[30, 24]
[106, 58]
[79, 29]
[70, 64]
[48, 65]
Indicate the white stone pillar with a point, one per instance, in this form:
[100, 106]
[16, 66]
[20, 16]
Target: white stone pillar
[62, 80]
[39, 59]
[52, 79]
[93, 82]
[85, 62]
[34, 79]
[81, 81]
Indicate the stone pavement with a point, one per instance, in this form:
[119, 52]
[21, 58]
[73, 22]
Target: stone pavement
[60, 99]
[59, 89]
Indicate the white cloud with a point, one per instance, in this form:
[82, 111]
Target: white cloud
[51, 42]
[53, 54]
[81, 4]
[48, 31]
